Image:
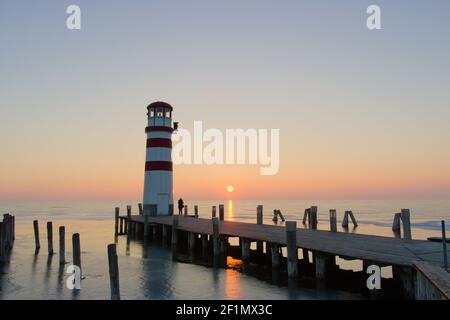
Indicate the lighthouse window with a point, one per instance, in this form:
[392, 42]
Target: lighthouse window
[152, 113]
[160, 112]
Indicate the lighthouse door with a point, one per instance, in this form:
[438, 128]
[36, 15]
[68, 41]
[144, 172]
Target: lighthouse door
[163, 204]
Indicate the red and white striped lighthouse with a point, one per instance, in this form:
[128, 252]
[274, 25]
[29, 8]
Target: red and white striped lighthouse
[158, 181]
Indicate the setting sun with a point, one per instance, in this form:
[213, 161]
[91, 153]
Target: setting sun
[230, 188]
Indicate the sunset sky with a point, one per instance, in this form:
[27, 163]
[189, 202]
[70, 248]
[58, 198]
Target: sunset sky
[362, 114]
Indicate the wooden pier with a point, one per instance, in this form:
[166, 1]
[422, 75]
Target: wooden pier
[402, 254]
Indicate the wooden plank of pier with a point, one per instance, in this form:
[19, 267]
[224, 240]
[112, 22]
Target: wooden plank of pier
[378, 249]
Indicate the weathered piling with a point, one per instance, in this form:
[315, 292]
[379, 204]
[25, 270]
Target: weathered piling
[196, 211]
[165, 232]
[116, 221]
[444, 244]
[145, 226]
[128, 222]
[36, 236]
[281, 215]
[275, 253]
[333, 220]
[76, 250]
[50, 237]
[306, 216]
[121, 226]
[245, 249]
[191, 243]
[348, 214]
[204, 245]
[313, 218]
[62, 245]
[396, 222]
[13, 227]
[113, 272]
[216, 240]
[221, 212]
[141, 212]
[324, 263]
[185, 210]
[2, 243]
[213, 213]
[259, 220]
[406, 224]
[291, 240]
[174, 237]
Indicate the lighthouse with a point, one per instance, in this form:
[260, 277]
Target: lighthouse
[158, 180]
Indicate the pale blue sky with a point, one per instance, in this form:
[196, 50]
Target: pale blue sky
[343, 95]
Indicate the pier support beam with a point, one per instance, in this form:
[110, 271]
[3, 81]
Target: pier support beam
[216, 240]
[333, 220]
[292, 257]
[191, 242]
[145, 226]
[213, 213]
[196, 211]
[313, 218]
[36, 237]
[50, 237]
[174, 237]
[406, 224]
[165, 232]
[121, 226]
[128, 222]
[76, 251]
[259, 220]
[113, 272]
[116, 222]
[204, 245]
[62, 245]
[221, 212]
[275, 253]
[324, 264]
[406, 277]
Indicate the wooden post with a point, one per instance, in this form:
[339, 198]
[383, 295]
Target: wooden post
[444, 244]
[13, 227]
[213, 211]
[291, 240]
[281, 215]
[141, 212]
[353, 218]
[2, 243]
[121, 226]
[313, 218]
[221, 212]
[155, 231]
[116, 222]
[396, 222]
[245, 249]
[406, 224]
[345, 220]
[306, 216]
[321, 266]
[128, 222]
[113, 272]
[333, 220]
[216, 240]
[191, 243]
[76, 250]
[62, 245]
[275, 253]
[174, 236]
[145, 226]
[259, 220]
[196, 211]
[50, 237]
[185, 210]
[164, 233]
[204, 245]
[305, 254]
[36, 236]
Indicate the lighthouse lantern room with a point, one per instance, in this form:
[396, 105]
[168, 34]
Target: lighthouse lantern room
[158, 180]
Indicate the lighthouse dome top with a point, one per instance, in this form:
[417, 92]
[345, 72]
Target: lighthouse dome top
[159, 104]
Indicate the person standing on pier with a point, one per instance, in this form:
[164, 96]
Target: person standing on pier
[180, 206]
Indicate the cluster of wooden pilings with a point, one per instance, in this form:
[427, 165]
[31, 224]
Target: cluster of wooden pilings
[7, 236]
[76, 248]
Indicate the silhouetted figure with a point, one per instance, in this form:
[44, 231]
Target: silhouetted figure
[180, 206]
